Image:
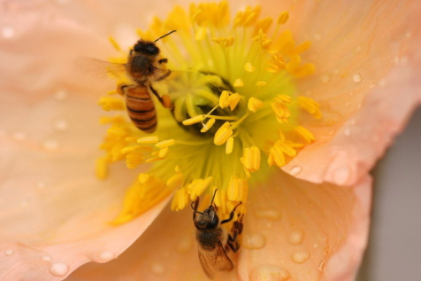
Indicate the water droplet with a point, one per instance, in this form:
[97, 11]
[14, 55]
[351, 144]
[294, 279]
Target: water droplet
[325, 78]
[408, 34]
[371, 86]
[46, 258]
[158, 268]
[382, 83]
[60, 95]
[40, 185]
[300, 256]
[51, 145]
[9, 252]
[315, 245]
[166, 255]
[295, 170]
[358, 49]
[61, 125]
[184, 245]
[24, 203]
[321, 265]
[351, 94]
[356, 78]
[268, 272]
[296, 237]
[253, 241]
[7, 32]
[347, 132]
[359, 105]
[353, 121]
[317, 36]
[341, 175]
[331, 132]
[269, 225]
[59, 269]
[106, 256]
[62, 2]
[19, 136]
[272, 214]
[396, 60]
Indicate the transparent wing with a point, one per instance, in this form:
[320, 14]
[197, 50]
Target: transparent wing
[215, 261]
[99, 68]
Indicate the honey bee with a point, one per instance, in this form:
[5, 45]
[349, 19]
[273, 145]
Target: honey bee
[213, 241]
[143, 66]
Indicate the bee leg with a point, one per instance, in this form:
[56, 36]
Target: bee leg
[163, 76]
[231, 214]
[232, 242]
[194, 206]
[164, 100]
[163, 61]
[121, 87]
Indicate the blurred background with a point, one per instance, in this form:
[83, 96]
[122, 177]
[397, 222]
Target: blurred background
[394, 251]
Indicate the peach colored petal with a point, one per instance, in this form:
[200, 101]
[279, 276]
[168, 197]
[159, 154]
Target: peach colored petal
[367, 61]
[54, 213]
[311, 232]
[327, 221]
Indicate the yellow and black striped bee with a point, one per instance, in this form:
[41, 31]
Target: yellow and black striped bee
[143, 65]
[213, 241]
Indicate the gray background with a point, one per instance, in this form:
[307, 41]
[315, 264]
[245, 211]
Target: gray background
[394, 252]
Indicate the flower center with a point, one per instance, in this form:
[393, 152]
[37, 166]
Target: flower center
[236, 111]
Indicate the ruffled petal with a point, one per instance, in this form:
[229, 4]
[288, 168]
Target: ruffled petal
[296, 230]
[367, 64]
[54, 214]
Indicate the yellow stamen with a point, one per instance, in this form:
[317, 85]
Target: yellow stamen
[249, 67]
[229, 146]
[143, 177]
[311, 106]
[283, 18]
[110, 103]
[223, 134]
[163, 152]
[254, 104]
[165, 143]
[114, 43]
[238, 83]
[180, 200]
[194, 120]
[101, 168]
[148, 140]
[251, 159]
[237, 190]
[305, 134]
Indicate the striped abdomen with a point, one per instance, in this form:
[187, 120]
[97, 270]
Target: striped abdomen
[141, 108]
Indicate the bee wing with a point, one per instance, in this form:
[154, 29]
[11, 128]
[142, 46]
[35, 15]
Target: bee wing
[215, 261]
[99, 68]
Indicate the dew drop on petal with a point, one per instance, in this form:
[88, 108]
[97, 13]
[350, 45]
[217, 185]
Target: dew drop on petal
[268, 272]
[253, 241]
[317, 36]
[51, 145]
[347, 132]
[106, 256]
[357, 78]
[315, 245]
[341, 175]
[269, 225]
[60, 95]
[296, 237]
[331, 132]
[408, 34]
[24, 203]
[184, 245]
[358, 49]
[59, 269]
[158, 268]
[7, 32]
[19, 136]
[61, 125]
[9, 252]
[46, 258]
[300, 256]
[40, 185]
[325, 78]
[295, 170]
[272, 214]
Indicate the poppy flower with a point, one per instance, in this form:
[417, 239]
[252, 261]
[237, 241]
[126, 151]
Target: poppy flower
[278, 109]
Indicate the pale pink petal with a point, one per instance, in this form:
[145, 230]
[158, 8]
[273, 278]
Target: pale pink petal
[327, 221]
[54, 214]
[310, 232]
[367, 81]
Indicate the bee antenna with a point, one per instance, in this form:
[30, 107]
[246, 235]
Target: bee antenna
[214, 196]
[164, 35]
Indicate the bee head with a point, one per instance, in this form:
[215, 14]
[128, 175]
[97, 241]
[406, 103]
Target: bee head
[146, 48]
[208, 219]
